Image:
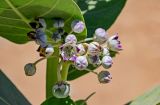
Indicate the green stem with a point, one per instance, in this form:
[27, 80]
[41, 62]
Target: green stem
[90, 96]
[86, 40]
[64, 72]
[91, 71]
[51, 73]
[59, 70]
[39, 60]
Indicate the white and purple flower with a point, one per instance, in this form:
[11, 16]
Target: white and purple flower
[95, 60]
[114, 44]
[105, 52]
[107, 62]
[49, 51]
[101, 35]
[82, 49]
[69, 52]
[71, 39]
[77, 26]
[94, 48]
[81, 62]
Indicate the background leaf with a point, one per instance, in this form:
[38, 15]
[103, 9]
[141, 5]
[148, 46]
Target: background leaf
[100, 13]
[16, 14]
[151, 97]
[57, 101]
[9, 94]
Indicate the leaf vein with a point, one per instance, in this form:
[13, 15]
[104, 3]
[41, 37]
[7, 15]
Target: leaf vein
[28, 29]
[50, 9]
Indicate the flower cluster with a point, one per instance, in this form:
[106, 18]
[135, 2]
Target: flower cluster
[94, 51]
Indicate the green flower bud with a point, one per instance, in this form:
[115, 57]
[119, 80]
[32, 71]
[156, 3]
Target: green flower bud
[61, 90]
[104, 77]
[30, 69]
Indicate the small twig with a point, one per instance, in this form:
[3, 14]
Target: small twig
[90, 96]
[38, 61]
[91, 71]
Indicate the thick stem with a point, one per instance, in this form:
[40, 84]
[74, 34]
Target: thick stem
[59, 70]
[51, 73]
[64, 72]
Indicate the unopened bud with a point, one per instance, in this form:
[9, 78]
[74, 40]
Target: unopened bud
[100, 35]
[49, 51]
[107, 62]
[94, 48]
[95, 60]
[105, 52]
[61, 90]
[77, 26]
[30, 69]
[81, 62]
[82, 49]
[58, 23]
[71, 39]
[104, 77]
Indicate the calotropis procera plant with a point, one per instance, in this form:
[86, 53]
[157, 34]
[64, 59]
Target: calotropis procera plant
[60, 31]
[94, 51]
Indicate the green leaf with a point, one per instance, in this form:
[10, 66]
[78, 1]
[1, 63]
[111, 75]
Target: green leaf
[151, 97]
[9, 94]
[57, 101]
[74, 73]
[81, 102]
[15, 16]
[100, 13]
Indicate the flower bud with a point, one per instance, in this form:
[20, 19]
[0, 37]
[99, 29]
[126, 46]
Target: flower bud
[77, 26]
[30, 69]
[94, 48]
[104, 77]
[105, 52]
[81, 62]
[49, 51]
[61, 90]
[58, 23]
[100, 35]
[114, 44]
[41, 37]
[45, 51]
[71, 39]
[107, 62]
[82, 49]
[95, 60]
[42, 23]
[56, 36]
